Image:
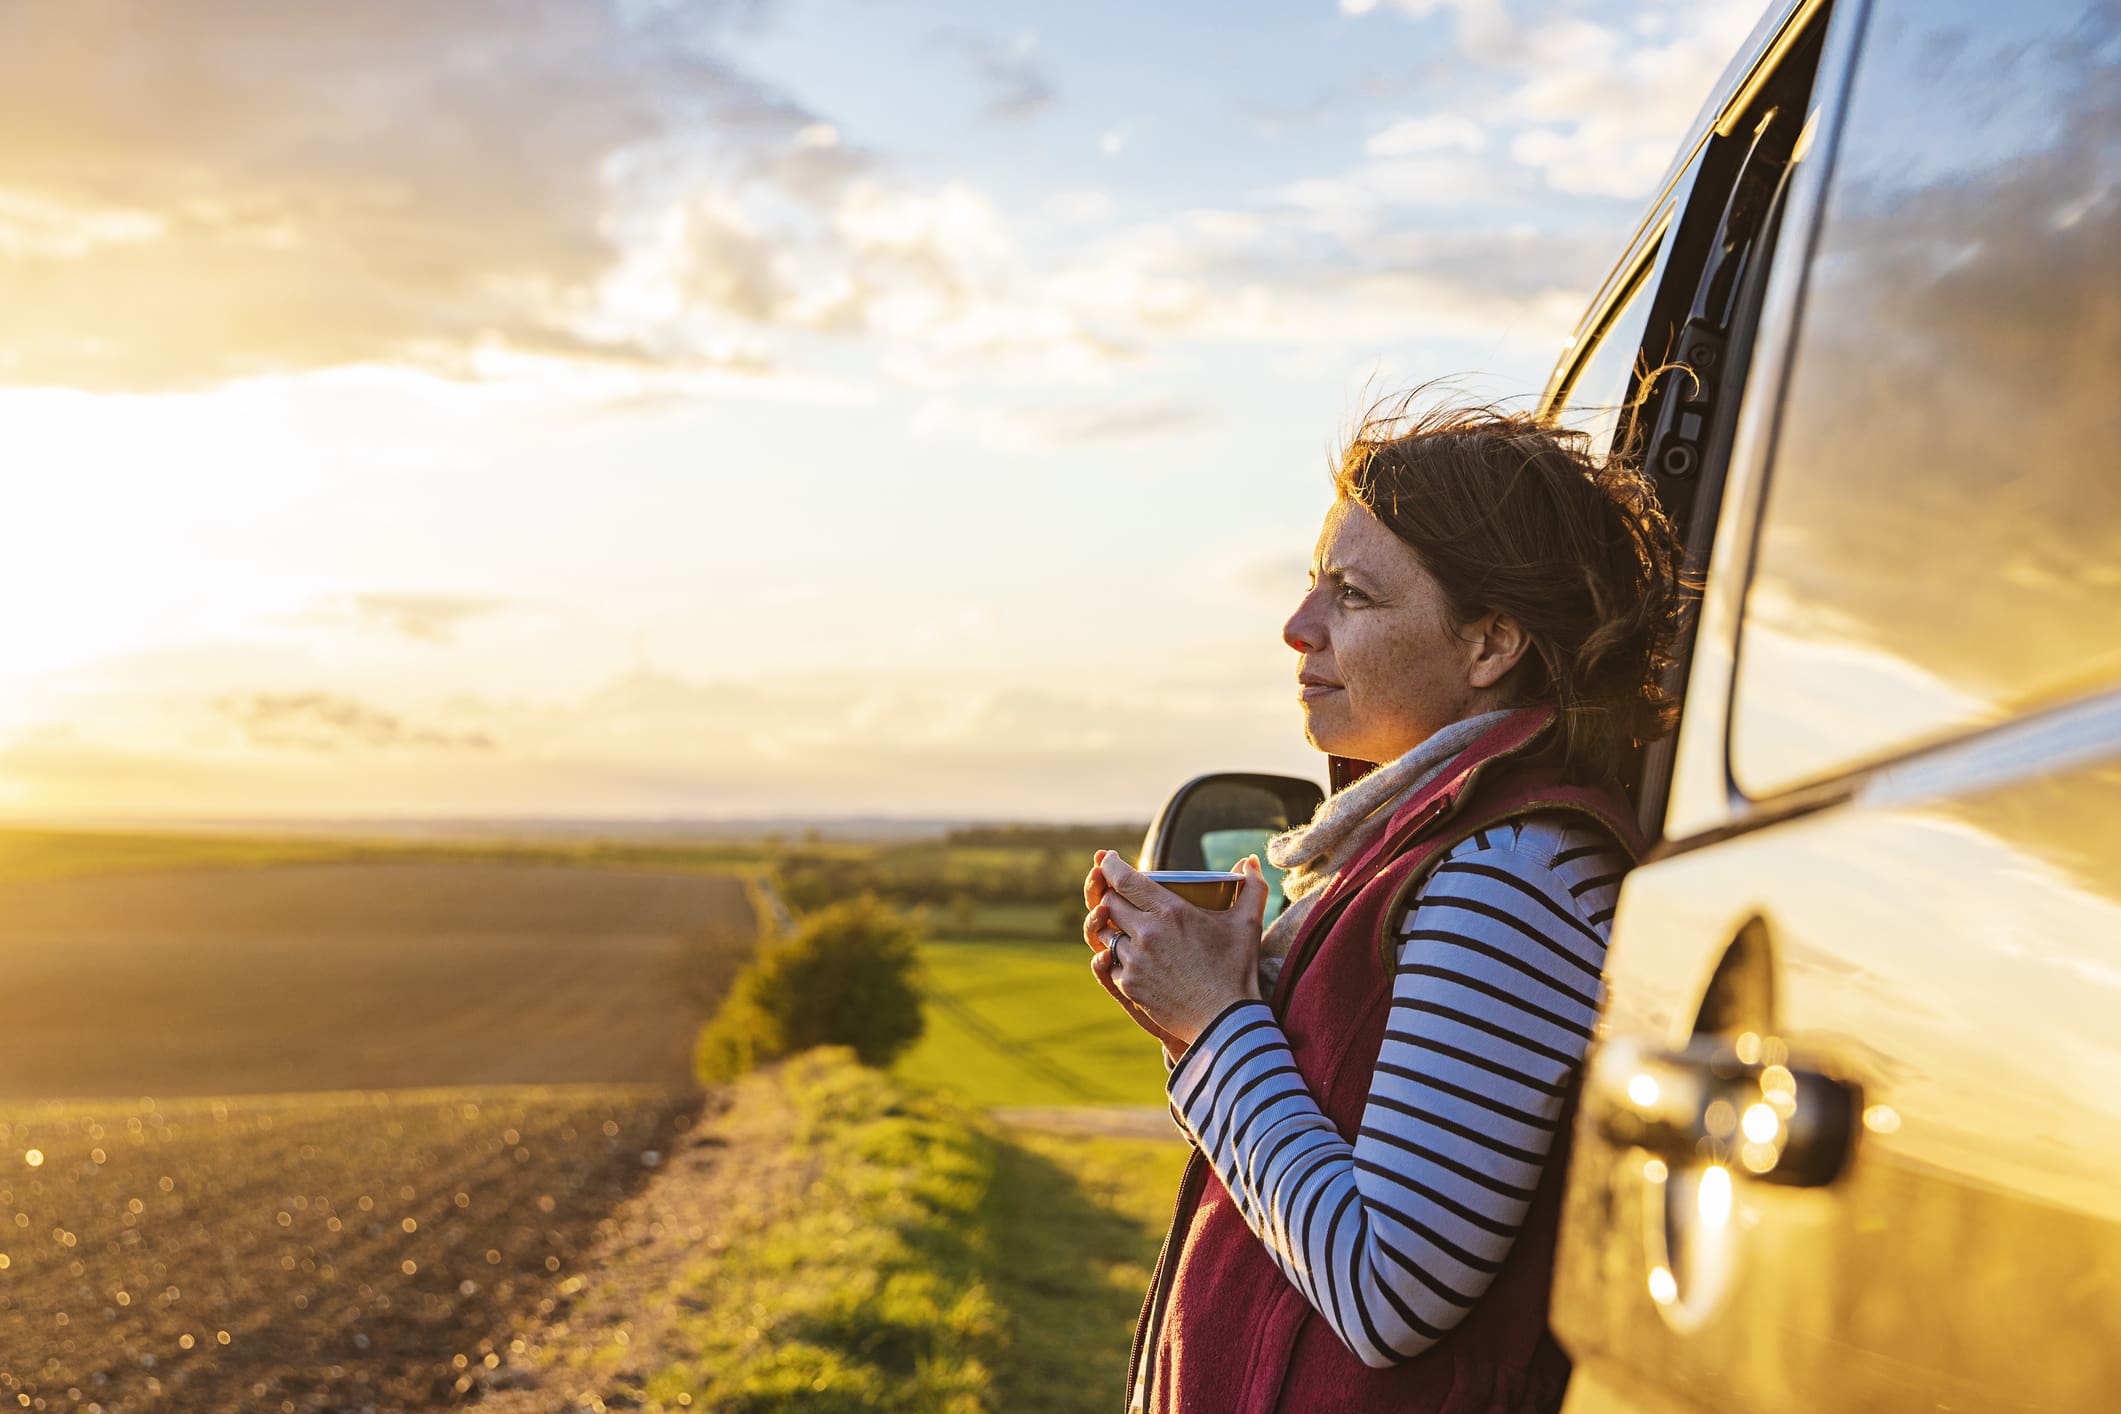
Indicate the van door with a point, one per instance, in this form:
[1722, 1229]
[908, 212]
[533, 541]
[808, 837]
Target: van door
[1850, 1137]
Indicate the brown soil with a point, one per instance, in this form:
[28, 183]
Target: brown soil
[327, 1252]
[360, 977]
[728, 1181]
[347, 1243]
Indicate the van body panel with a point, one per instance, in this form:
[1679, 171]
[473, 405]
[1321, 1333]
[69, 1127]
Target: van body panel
[1956, 955]
[1923, 905]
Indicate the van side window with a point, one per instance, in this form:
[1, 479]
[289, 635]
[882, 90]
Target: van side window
[1940, 545]
[1604, 379]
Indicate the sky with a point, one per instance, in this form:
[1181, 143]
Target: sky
[770, 407]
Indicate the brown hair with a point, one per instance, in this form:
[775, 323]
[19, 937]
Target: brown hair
[1516, 516]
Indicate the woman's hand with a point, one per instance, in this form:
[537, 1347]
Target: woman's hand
[1178, 966]
[1095, 927]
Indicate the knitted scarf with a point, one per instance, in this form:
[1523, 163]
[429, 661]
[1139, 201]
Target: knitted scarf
[1346, 822]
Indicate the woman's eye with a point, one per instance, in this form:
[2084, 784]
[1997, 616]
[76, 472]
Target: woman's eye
[1349, 594]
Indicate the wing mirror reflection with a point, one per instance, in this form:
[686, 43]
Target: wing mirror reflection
[1211, 822]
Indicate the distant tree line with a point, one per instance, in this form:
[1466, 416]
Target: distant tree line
[990, 864]
[1075, 839]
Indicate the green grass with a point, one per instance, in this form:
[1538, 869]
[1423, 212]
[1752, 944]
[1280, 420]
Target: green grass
[874, 1294]
[1013, 1022]
[853, 1280]
[1032, 922]
[897, 1252]
[1074, 1223]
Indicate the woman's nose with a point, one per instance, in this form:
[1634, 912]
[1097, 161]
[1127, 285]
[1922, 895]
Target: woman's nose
[1301, 631]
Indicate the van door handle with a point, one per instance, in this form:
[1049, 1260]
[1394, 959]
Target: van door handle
[1782, 1122]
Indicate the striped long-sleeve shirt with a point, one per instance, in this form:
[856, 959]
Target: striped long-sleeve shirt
[1394, 1237]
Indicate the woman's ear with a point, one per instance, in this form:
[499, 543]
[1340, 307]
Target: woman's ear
[1499, 644]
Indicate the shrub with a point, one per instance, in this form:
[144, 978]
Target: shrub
[847, 976]
[808, 889]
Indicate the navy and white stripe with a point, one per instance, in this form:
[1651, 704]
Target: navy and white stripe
[1394, 1237]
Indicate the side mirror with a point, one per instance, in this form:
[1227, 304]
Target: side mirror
[1211, 822]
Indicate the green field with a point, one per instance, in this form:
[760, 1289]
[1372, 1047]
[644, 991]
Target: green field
[1014, 1022]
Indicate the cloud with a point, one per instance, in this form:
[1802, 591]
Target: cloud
[1437, 132]
[35, 228]
[271, 187]
[1080, 206]
[598, 196]
[1609, 108]
[430, 618]
[732, 267]
[982, 740]
[423, 618]
[946, 289]
[924, 743]
[1008, 71]
[328, 723]
[939, 278]
[1336, 261]
[1597, 108]
[1046, 428]
[940, 232]
[1355, 202]
[1272, 119]
[1484, 26]
[1123, 421]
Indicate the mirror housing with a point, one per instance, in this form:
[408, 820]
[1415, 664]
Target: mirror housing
[1223, 801]
[1213, 821]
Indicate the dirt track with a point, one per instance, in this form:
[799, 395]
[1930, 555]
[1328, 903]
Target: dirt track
[454, 1074]
[357, 977]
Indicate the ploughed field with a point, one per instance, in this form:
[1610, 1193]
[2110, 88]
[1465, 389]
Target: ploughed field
[359, 976]
[329, 1136]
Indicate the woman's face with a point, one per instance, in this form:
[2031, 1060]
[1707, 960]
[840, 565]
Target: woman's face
[1383, 665]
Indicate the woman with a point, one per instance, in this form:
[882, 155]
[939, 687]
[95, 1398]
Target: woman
[1378, 1088]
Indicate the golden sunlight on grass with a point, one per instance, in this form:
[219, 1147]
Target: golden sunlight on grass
[834, 1241]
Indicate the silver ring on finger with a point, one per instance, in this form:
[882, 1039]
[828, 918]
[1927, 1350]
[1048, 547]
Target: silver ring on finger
[1113, 936]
